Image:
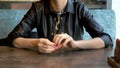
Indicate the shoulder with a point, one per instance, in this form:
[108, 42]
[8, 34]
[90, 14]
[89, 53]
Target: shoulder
[38, 4]
[79, 4]
[81, 7]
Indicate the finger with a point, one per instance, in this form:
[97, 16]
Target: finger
[42, 50]
[59, 42]
[60, 38]
[55, 37]
[65, 43]
[48, 50]
[58, 47]
[43, 44]
[63, 38]
[48, 43]
[55, 44]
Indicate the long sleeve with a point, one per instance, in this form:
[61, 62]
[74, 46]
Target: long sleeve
[92, 26]
[24, 28]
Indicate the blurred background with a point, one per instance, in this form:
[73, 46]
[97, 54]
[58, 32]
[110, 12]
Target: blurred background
[91, 4]
[26, 3]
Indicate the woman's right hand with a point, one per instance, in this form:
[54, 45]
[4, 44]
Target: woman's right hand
[42, 44]
[46, 46]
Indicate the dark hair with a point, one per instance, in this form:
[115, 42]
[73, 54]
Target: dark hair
[44, 0]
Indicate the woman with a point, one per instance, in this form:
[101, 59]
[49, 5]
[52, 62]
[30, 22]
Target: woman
[59, 24]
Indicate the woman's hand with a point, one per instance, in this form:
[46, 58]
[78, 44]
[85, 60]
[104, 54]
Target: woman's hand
[64, 40]
[46, 46]
[42, 44]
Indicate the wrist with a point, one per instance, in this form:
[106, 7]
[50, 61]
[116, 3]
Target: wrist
[75, 44]
[35, 42]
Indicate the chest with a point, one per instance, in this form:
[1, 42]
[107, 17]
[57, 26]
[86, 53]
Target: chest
[54, 24]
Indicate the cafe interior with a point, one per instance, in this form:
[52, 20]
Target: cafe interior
[104, 11]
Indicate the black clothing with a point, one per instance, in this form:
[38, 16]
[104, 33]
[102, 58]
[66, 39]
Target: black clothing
[74, 19]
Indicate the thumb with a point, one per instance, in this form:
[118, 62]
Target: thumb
[50, 43]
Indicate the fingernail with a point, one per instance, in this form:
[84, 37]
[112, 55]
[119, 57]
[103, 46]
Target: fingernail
[55, 44]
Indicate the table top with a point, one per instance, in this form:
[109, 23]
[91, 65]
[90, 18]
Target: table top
[25, 58]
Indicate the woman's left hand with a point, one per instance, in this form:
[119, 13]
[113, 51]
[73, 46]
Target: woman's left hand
[64, 40]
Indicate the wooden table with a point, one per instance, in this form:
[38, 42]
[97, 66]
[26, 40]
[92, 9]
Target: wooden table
[24, 58]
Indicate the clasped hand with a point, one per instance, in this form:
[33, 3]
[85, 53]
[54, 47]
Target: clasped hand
[59, 41]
